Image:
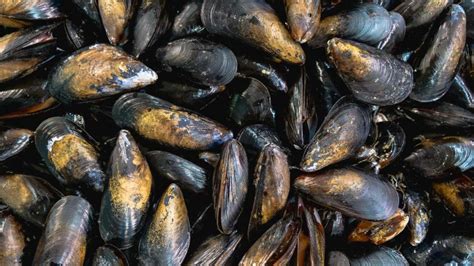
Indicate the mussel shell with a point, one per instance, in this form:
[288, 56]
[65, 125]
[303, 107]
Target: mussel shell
[337, 258]
[301, 120]
[396, 35]
[186, 174]
[313, 230]
[380, 232]
[303, 18]
[109, 255]
[217, 250]
[252, 22]
[12, 240]
[29, 197]
[167, 237]
[372, 75]
[253, 105]
[64, 239]
[272, 187]
[343, 132]
[441, 115]
[435, 68]
[276, 245]
[380, 255]
[151, 22]
[230, 184]
[90, 9]
[468, 7]
[69, 155]
[255, 137]
[188, 21]
[457, 195]
[420, 217]
[96, 72]
[368, 23]
[168, 124]
[439, 156]
[20, 13]
[126, 199]
[13, 141]
[267, 72]
[350, 191]
[329, 89]
[421, 12]
[115, 16]
[460, 93]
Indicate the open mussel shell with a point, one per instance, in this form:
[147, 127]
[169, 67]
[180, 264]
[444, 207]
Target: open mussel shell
[26, 97]
[350, 191]
[199, 60]
[168, 124]
[442, 250]
[188, 21]
[64, 238]
[368, 23]
[252, 22]
[151, 22]
[126, 199]
[13, 141]
[421, 12]
[12, 240]
[276, 245]
[380, 232]
[109, 255]
[186, 174]
[396, 35]
[166, 239]
[301, 119]
[22, 52]
[272, 186]
[379, 78]
[229, 185]
[441, 115]
[217, 250]
[303, 18]
[460, 93]
[439, 156]
[21, 13]
[269, 73]
[343, 132]
[252, 105]
[115, 16]
[255, 137]
[457, 195]
[69, 155]
[420, 217]
[379, 255]
[29, 197]
[337, 258]
[96, 72]
[437, 61]
[186, 94]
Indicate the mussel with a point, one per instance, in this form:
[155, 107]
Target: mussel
[90, 9]
[167, 237]
[438, 156]
[186, 174]
[126, 199]
[460, 93]
[311, 245]
[437, 61]
[69, 155]
[342, 133]
[188, 21]
[12, 240]
[441, 115]
[337, 258]
[372, 75]
[217, 250]
[96, 72]
[255, 137]
[457, 195]
[199, 60]
[350, 191]
[252, 22]
[419, 213]
[13, 141]
[303, 18]
[168, 124]
[396, 35]
[109, 255]
[115, 16]
[21, 13]
[272, 186]
[29, 197]
[270, 74]
[380, 255]
[65, 236]
[229, 185]
[421, 12]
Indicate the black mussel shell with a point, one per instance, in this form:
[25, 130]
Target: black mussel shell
[162, 122]
[14, 141]
[109, 255]
[468, 7]
[396, 35]
[269, 73]
[420, 217]
[379, 255]
[460, 93]
[421, 12]
[126, 199]
[167, 237]
[372, 75]
[115, 16]
[188, 21]
[12, 240]
[328, 87]
[90, 9]
[255, 137]
[21, 13]
[217, 250]
[311, 245]
[65, 236]
[186, 174]
[441, 115]
[303, 18]
[350, 191]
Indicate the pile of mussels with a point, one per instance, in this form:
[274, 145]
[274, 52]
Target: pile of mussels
[224, 132]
